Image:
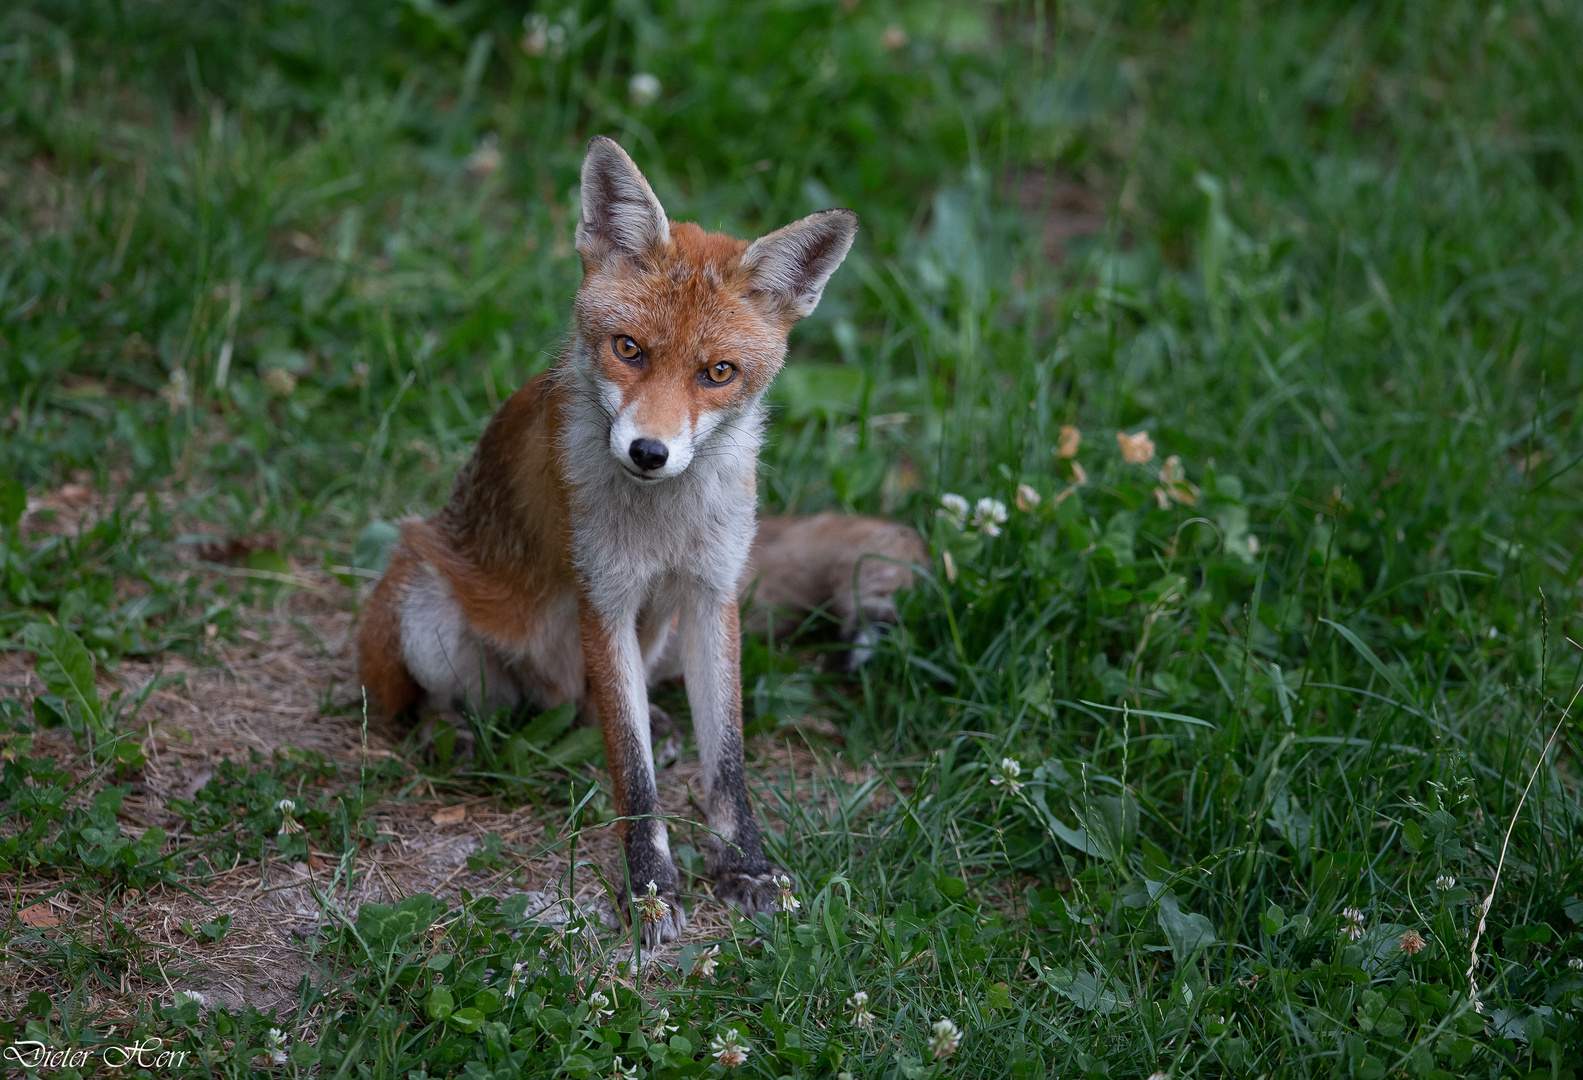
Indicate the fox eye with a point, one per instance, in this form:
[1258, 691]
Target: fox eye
[626, 348]
[720, 373]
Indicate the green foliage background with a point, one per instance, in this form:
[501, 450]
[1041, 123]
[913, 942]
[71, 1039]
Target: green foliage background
[1338, 275]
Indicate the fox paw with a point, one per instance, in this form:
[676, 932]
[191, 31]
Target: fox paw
[751, 893]
[661, 916]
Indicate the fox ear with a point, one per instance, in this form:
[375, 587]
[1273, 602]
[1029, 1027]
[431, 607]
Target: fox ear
[620, 217]
[790, 266]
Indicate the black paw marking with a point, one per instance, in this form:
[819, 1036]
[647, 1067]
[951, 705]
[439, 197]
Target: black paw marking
[751, 893]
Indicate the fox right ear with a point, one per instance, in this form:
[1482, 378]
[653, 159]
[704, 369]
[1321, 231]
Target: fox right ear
[620, 217]
[790, 266]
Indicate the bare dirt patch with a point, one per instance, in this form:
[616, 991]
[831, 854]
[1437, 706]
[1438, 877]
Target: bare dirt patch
[291, 685]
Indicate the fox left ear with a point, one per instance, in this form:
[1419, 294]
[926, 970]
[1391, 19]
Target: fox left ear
[789, 267]
[620, 216]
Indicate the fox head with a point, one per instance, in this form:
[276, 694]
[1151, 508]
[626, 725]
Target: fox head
[678, 331]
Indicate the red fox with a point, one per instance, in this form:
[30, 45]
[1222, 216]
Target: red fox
[601, 534]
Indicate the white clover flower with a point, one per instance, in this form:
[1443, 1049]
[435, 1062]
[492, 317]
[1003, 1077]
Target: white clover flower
[599, 1006]
[1006, 775]
[787, 900]
[953, 508]
[705, 963]
[485, 158]
[1412, 943]
[537, 35]
[651, 906]
[175, 391]
[862, 1015]
[288, 824]
[275, 1044]
[1354, 923]
[644, 89]
[944, 1040]
[516, 975]
[1445, 882]
[988, 516]
[1576, 963]
[661, 1026]
[730, 1049]
[280, 382]
[621, 1071]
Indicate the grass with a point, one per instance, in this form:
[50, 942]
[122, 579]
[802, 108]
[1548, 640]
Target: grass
[269, 267]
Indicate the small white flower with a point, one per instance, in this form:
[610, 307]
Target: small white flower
[516, 976]
[730, 1049]
[644, 89]
[651, 907]
[705, 963]
[288, 824]
[661, 1026]
[1354, 923]
[787, 900]
[621, 1071]
[485, 158]
[1027, 497]
[946, 1037]
[1445, 882]
[275, 1043]
[175, 391]
[1576, 963]
[953, 508]
[279, 381]
[1006, 775]
[1159, 1074]
[184, 996]
[862, 1015]
[598, 1006]
[537, 34]
[988, 516]
[543, 36]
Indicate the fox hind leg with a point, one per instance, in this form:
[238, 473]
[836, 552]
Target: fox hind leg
[388, 686]
[460, 672]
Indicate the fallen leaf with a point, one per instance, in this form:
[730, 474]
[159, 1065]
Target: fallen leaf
[316, 864]
[450, 815]
[39, 916]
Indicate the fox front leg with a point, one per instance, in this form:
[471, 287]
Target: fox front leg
[712, 669]
[616, 687]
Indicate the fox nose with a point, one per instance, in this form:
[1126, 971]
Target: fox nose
[648, 454]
